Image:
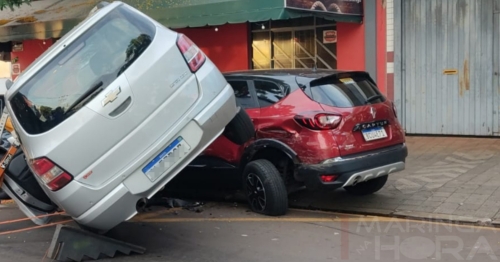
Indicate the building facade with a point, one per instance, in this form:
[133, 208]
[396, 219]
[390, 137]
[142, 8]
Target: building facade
[235, 34]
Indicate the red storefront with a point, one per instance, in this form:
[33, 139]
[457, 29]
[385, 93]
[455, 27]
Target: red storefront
[352, 39]
[255, 34]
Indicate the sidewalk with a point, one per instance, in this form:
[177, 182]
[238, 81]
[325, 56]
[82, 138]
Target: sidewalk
[446, 178]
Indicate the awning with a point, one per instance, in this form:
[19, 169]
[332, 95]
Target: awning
[197, 13]
[53, 18]
[43, 19]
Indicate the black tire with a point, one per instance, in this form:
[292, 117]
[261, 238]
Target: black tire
[265, 190]
[368, 187]
[240, 129]
[3, 195]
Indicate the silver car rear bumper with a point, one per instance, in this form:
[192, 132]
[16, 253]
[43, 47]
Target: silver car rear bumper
[120, 204]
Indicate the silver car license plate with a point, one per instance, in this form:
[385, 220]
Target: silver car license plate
[166, 159]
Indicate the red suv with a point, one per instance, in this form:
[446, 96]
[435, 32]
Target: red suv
[322, 129]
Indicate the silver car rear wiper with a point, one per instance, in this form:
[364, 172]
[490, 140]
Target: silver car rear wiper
[88, 94]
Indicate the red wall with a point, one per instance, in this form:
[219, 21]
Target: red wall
[227, 48]
[350, 46]
[32, 49]
[381, 47]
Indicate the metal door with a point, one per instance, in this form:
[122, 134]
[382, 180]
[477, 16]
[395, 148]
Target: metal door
[450, 67]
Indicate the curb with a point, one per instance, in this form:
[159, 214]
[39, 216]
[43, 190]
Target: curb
[307, 204]
[405, 214]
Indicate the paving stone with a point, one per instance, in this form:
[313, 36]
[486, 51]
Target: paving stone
[469, 207]
[469, 186]
[441, 194]
[490, 203]
[484, 208]
[407, 207]
[430, 203]
[467, 190]
[476, 199]
[413, 202]
[453, 184]
[485, 190]
[418, 197]
[394, 201]
[423, 208]
[445, 190]
[489, 188]
[457, 197]
[461, 212]
[438, 198]
[383, 206]
[485, 213]
[446, 208]
[483, 168]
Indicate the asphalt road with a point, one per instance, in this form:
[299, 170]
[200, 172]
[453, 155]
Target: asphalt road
[223, 232]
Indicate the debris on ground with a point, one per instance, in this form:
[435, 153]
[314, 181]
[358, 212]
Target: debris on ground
[484, 222]
[174, 202]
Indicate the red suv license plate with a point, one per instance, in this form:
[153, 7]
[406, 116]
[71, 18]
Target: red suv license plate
[374, 133]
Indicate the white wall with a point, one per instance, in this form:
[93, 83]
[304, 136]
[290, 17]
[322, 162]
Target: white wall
[5, 69]
[390, 32]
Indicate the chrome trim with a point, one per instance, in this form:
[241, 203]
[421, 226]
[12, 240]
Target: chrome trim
[374, 173]
[342, 160]
[111, 96]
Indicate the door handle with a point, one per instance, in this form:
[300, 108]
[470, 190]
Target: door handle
[121, 108]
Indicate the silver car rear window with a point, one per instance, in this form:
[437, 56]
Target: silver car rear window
[82, 70]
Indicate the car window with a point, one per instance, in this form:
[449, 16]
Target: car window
[352, 91]
[242, 92]
[268, 93]
[91, 62]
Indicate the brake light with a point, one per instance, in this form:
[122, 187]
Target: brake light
[52, 176]
[192, 54]
[319, 121]
[328, 178]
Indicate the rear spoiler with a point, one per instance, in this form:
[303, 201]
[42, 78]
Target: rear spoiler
[337, 77]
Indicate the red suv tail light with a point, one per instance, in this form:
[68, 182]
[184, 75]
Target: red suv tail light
[52, 176]
[192, 54]
[319, 121]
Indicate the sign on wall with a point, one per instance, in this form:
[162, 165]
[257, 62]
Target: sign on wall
[329, 36]
[346, 7]
[16, 69]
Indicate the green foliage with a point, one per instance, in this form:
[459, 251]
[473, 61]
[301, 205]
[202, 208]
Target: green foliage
[12, 3]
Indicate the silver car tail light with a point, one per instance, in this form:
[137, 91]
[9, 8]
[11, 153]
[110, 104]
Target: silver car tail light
[192, 54]
[52, 176]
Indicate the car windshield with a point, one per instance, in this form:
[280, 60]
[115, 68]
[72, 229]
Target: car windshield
[85, 67]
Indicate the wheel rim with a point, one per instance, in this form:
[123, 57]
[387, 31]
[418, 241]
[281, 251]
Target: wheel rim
[256, 192]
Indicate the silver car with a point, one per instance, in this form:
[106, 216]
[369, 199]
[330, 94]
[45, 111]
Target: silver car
[111, 113]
